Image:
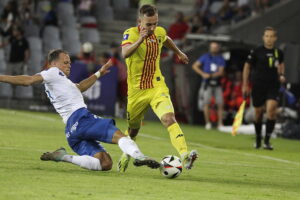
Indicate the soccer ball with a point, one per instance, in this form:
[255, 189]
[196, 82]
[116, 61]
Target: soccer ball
[171, 166]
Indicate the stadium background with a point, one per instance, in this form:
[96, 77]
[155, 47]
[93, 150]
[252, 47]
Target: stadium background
[68, 24]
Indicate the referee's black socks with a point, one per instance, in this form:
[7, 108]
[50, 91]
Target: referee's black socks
[258, 126]
[269, 130]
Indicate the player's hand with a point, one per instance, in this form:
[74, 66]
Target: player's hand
[282, 79]
[143, 34]
[183, 58]
[245, 91]
[206, 75]
[105, 68]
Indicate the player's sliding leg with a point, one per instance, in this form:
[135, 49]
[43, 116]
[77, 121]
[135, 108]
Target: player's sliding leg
[270, 124]
[85, 161]
[258, 126]
[134, 121]
[125, 158]
[129, 147]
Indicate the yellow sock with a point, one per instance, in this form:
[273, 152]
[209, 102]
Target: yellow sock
[177, 138]
[127, 133]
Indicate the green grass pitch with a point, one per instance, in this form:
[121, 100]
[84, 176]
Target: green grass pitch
[228, 167]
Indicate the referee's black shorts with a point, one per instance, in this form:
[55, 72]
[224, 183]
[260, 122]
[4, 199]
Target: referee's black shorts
[261, 92]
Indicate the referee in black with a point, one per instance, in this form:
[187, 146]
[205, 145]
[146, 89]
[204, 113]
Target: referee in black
[267, 66]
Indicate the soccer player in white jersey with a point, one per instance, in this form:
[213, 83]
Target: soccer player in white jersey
[83, 129]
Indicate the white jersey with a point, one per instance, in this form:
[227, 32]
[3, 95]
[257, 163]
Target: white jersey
[63, 93]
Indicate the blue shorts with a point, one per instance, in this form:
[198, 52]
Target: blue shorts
[84, 130]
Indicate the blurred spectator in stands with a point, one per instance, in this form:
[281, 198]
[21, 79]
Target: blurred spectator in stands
[261, 5]
[200, 6]
[233, 96]
[178, 29]
[84, 8]
[87, 55]
[50, 18]
[226, 12]
[197, 25]
[28, 22]
[19, 53]
[210, 67]
[9, 17]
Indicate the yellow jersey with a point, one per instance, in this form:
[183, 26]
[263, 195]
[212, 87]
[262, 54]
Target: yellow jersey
[143, 66]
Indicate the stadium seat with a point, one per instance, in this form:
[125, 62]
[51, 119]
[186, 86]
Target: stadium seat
[67, 20]
[24, 92]
[121, 4]
[2, 56]
[35, 44]
[31, 30]
[90, 35]
[51, 32]
[5, 90]
[88, 20]
[65, 8]
[73, 47]
[69, 34]
[2, 66]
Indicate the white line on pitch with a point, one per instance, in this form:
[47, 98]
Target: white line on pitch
[228, 151]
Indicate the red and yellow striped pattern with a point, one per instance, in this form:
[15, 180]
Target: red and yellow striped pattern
[152, 50]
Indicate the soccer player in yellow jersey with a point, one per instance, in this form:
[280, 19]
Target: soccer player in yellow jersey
[141, 47]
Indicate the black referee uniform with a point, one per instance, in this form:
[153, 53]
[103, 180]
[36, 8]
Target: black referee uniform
[265, 82]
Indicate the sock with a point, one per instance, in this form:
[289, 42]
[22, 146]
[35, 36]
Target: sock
[129, 147]
[127, 133]
[258, 127]
[87, 162]
[269, 130]
[177, 138]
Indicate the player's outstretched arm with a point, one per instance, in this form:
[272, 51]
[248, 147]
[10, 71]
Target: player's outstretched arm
[23, 80]
[171, 45]
[88, 82]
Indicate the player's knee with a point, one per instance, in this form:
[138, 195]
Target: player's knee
[168, 119]
[106, 165]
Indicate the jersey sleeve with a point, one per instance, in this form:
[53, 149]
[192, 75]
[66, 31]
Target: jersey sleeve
[251, 57]
[129, 37]
[50, 74]
[163, 33]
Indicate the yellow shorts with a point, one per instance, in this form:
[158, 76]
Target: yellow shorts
[140, 100]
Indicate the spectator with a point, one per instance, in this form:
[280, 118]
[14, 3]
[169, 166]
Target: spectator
[19, 53]
[87, 55]
[179, 28]
[210, 67]
[197, 25]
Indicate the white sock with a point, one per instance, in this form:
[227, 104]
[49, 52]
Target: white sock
[87, 162]
[129, 147]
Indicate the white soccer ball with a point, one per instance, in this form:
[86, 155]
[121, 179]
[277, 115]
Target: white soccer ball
[171, 166]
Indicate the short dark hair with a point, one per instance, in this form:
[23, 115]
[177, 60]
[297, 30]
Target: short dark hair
[148, 10]
[270, 28]
[54, 54]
